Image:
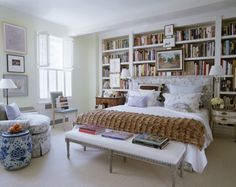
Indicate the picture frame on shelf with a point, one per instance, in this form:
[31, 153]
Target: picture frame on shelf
[115, 65]
[14, 38]
[115, 80]
[169, 60]
[15, 63]
[21, 81]
[169, 30]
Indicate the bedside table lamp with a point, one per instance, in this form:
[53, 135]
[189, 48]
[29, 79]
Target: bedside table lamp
[216, 71]
[125, 74]
[6, 84]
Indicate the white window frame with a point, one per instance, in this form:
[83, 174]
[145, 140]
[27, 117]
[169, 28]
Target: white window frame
[48, 68]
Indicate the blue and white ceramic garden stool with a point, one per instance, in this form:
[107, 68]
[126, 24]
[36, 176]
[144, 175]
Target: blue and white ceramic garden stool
[15, 149]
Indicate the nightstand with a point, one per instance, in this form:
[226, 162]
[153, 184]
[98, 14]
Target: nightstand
[110, 101]
[224, 117]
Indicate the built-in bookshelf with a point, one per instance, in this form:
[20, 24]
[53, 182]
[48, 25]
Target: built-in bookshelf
[137, 51]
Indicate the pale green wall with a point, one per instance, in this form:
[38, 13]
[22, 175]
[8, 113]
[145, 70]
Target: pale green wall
[33, 25]
[85, 82]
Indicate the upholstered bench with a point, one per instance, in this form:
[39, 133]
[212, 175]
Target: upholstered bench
[171, 156]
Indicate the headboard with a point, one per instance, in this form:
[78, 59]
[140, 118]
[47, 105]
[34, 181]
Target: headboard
[205, 81]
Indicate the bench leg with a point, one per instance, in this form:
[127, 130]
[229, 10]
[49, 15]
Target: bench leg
[84, 148]
[181, 168]
[68, 148]
[173, 175]
[110, 160]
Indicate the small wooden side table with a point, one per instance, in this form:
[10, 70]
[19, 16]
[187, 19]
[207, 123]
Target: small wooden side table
[110, 101]
[224, 117]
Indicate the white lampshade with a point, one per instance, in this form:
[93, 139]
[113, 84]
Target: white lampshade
[216, 70]
[7, 84]
[125, 74]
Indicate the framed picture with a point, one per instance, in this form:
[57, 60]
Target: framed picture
[14, 38]
[169, 30]
[15, 63]
[21, 81]
[115, 65]
[170, 60]
[115, 80]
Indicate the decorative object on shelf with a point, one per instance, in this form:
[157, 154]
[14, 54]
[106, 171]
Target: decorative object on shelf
[7, 84]
[115, 80]
[216, 71]
[14, 38]
[169, 42]
[169, 30]
[217, 103]
[125, 74]
[15, 150]
[170, 60]
[21, 82]
[15, 63]
[115, 65]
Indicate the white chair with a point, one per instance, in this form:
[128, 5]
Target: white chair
[60, 111]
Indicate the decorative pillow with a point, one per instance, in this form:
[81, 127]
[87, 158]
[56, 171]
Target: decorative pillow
[3, 115]
[12, 111]
[150, 94]
[188, 102]
[138, 101]
[62, 103]
[186, 89]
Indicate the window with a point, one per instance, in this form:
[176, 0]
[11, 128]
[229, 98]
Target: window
[55, 64]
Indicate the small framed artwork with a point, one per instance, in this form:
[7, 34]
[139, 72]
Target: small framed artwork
[169, 30]
[115, 80]
[15, 63]
[21, 82]
[170, 60]
[115, 65]
[14, 38]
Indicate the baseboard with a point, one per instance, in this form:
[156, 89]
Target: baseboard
[224, 129]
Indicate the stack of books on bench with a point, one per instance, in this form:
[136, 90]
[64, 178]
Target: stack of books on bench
[120, 135]
[151, 140]
[91, 129]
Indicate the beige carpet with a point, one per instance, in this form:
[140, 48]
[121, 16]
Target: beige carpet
[90, 169]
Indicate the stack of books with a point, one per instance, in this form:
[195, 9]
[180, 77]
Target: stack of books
[120, 135]
[91, 129]
[151, 140]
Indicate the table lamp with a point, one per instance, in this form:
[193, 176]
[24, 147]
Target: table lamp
[6, 84]
[125, 74]
[216, 71]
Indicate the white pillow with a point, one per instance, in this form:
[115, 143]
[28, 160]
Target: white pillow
[151, 95]
[138, 101]
[187, 89]
[182, 102]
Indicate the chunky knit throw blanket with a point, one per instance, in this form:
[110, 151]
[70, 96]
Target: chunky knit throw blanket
[179, 129]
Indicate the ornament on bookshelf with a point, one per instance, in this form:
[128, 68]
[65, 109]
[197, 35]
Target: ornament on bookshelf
[217, 103]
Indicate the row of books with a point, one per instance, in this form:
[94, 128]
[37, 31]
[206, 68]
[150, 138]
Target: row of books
[148, 39]
[124, 57]
[229, 29]
[227, 66]
[124, 84]
[206, 49]
[144, 70]
[105, 72]
[195, 33]
[142, 55]
[115, 44]
[142, 139]
[201, 67]
[229, 47]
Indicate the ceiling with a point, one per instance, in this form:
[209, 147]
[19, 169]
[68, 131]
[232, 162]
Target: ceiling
[87, 16]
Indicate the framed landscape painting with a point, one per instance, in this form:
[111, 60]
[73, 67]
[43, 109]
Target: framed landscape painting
[170, 60]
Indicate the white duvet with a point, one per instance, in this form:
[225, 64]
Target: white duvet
[194, 156]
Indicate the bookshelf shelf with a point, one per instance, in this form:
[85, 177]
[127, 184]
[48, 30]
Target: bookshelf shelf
[144, 62]
[195, 41]
[105, 65]
[228, 56]
[124, 63]
[200, 58]
[228, 37]
[116, 50]
[228, 93]
[117, 90]
[105, 78]
[148, 46]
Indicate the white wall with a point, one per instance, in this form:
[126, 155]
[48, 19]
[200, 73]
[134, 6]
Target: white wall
[33, 25]
[85, 81]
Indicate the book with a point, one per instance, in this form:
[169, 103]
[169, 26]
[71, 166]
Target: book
[120, 135]
[151, 140]
[92, 129]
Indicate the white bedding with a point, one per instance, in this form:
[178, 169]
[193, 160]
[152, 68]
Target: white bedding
[194, 156]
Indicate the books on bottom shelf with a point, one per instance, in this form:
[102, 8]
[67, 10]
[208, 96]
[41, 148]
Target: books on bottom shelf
[91, 129]
[151, 140]
[120, 135]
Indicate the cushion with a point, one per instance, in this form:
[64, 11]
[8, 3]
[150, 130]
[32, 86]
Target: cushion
[182, 102]
[62, 103]
[3, 115]
[138, 101]
[12, 111]
[187, 89]
[151, 95]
